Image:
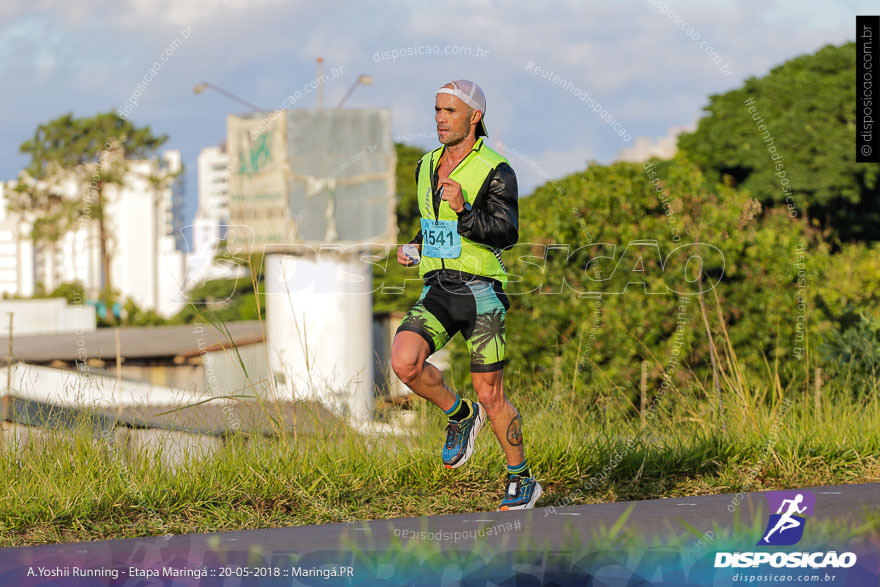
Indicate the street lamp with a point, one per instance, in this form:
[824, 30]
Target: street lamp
[204, 85]
[363, 79]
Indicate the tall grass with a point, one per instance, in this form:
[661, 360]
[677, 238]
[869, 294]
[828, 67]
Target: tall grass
[79, 483]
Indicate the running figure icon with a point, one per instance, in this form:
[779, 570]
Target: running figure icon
[787, 521]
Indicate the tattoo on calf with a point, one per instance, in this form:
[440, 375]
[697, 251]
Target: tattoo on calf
[514, 431]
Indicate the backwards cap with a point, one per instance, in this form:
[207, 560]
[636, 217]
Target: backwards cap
[471, 94]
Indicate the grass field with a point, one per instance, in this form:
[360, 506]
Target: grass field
[74, 484]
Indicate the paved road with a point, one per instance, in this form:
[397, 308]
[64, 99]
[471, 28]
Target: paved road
[500, 540]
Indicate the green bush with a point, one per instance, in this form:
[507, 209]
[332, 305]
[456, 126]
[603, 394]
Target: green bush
[798, 134]
[853, 354]
[642, 228]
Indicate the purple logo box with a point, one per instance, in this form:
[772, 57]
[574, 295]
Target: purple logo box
[775, 499]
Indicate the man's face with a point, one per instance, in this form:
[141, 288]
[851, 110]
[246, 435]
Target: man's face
[453, 118]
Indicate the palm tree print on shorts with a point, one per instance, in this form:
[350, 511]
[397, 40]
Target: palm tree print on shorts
[488, 330]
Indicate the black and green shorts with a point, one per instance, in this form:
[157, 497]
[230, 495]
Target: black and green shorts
[475, 308]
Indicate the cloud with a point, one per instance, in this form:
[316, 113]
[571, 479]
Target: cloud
[534, 168]
[88, 56]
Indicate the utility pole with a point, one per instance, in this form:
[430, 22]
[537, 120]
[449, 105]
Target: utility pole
[5, 415]
[320, 83]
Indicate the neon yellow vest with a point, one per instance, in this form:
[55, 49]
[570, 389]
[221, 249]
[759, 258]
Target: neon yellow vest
[475, 258]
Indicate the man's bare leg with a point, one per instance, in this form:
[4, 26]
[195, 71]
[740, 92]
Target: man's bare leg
[522, 490]
[409, 354]
[506, 421]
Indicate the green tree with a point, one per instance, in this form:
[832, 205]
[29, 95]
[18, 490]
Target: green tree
[807, 109]
[133, 315]
[407, 199]
[73, 292]
[620, 239]
[222, 299]
[73, 162]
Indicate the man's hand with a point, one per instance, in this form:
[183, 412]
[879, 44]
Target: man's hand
[452, 193]
[402, 258]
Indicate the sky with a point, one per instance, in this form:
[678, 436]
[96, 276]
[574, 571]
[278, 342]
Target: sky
[566, 82]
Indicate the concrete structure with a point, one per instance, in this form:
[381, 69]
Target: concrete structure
[193, 357]
[64, 388]
[143, 226]
[46, 316]
[323, 179]
[319, 331]
[311, 177]
[58, 377]
[190, 356]
[146, 264]
[211, 220]
[17, 256]
[174, 197]
[213, 209]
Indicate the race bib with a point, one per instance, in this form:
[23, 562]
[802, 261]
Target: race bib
[440, 238]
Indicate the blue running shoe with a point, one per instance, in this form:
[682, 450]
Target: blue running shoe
[521, 493]
[460, 437]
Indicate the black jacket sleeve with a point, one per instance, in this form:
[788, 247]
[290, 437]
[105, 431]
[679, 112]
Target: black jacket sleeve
[493, 219]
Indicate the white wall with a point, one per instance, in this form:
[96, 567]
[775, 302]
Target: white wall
[319, 330]
[77, 389]
[46, 316]
[16, 259]
[209, 225]
[213, 209]
[172, 282]
[134, 221]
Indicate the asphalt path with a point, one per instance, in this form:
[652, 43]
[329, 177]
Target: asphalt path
[221, 556]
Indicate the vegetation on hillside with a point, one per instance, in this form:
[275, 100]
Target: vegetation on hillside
[795, 128]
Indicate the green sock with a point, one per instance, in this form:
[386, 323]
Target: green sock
[522, 470]
[460, 411]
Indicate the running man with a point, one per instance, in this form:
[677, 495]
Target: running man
[469, 213]
[786, 521]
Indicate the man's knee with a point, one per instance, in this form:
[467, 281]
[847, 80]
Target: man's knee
[406, 361]
[406, 368]
[490, 395]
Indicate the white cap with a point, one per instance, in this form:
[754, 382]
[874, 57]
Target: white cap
[471, 94]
